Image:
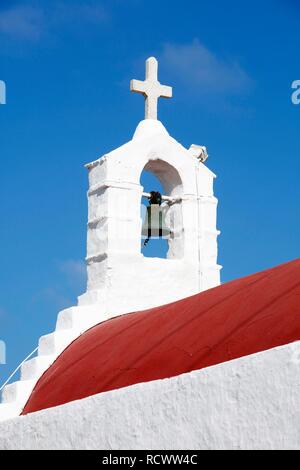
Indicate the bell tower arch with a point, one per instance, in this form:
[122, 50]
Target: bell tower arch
[171, 209]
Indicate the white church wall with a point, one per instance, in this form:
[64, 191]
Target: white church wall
[249, 403]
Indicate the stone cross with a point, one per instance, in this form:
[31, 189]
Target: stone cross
[151, 88]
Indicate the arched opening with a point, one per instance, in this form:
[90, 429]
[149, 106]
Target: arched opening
[162, 177]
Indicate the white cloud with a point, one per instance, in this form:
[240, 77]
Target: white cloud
[22, 22]
[66, 287]
[32, 21]
[202, 71]
[53, 297]
[75, 271]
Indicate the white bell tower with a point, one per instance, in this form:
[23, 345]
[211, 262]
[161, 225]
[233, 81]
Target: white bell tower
[120, 278]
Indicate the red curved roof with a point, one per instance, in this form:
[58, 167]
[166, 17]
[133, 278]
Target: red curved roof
[239, 318]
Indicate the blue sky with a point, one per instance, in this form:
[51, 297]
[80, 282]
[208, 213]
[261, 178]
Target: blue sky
[67, 66]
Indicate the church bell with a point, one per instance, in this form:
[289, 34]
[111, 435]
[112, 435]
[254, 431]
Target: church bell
[155, 225]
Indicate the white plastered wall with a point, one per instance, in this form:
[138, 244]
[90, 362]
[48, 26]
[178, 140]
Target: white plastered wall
[250, 403]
